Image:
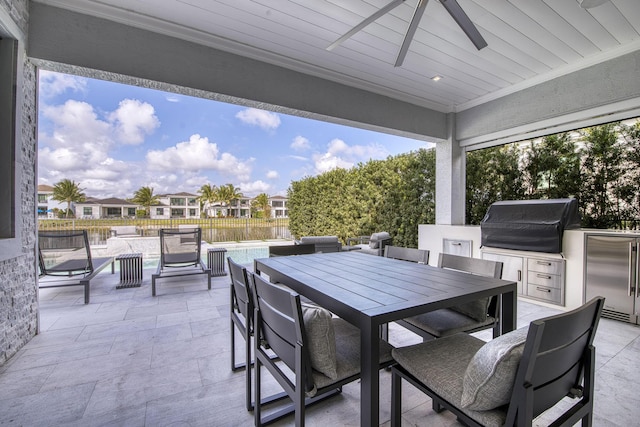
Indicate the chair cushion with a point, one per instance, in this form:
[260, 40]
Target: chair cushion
[374, 240]
[440, 364]
[321, 339]
[488, 379]
[477, 310]
[348, 354]
[443, 322]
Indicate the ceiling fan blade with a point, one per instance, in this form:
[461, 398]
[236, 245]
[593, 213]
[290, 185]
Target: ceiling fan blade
[413, 26]
[464, 22]
[365, 22]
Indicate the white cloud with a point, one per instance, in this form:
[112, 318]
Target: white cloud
[198, 154]
[78, 147]
[252, 189]
[300, 158]
[300, 143]
[76, 125]
[263, 119]
[172, 98]
[52, 84]
[133, 120]
[341, 155]
[273, 174]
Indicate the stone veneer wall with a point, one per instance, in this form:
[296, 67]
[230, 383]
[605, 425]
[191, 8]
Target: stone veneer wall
[18, 282]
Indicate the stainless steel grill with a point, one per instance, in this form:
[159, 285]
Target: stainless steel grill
[215, 261]
[130, 270]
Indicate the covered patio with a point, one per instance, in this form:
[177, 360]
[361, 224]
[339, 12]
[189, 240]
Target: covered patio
[132, 359]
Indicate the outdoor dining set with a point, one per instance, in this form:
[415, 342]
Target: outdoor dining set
[315, 315]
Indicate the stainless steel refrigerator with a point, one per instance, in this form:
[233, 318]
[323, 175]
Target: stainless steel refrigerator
[612, 271]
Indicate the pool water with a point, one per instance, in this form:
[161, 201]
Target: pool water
[248, 254]
[239, 255]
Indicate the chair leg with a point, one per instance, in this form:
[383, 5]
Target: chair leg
[153, 285]
[247, 364]
[257, 410]
[396, 399]
[436, 406]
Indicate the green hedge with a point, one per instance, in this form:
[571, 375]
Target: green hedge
[393, 195]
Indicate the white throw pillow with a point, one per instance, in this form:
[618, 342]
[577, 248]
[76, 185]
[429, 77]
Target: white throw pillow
[321, 339]
[488, 380]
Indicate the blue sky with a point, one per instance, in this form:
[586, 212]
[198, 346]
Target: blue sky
[113, 139]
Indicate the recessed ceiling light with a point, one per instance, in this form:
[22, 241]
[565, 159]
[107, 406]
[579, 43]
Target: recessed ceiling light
[436, 78]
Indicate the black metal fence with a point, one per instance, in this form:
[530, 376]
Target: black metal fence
[213, 229]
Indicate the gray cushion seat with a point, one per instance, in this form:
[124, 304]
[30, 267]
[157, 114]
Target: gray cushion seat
[475, 376]
[372, 245]
[448, 321]
[347, 353]
[322, 243]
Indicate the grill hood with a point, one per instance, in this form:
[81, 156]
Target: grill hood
[529, 225]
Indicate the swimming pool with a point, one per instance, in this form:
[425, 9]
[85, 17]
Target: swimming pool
[240, 255]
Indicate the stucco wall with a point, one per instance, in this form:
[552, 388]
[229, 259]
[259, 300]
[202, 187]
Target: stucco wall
[18, 283]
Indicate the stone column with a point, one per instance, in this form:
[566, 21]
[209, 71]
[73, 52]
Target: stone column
[450, 178]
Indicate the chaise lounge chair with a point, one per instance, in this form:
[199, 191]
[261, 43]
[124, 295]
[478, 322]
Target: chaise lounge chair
[64, 258]
[180, 255]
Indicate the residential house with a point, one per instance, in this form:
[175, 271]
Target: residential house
[46, 205]
[93, 208]
[278, 207]
[178, 205]
[239, 208]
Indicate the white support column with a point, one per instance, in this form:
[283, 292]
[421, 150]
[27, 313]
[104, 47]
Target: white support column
[450, 179]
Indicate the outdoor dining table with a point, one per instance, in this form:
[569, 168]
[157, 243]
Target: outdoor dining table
[370, 291]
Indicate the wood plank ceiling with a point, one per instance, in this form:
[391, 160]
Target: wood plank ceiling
[529, 41]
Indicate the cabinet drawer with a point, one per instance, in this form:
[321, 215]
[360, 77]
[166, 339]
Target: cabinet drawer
[548, 266]
[457, 247]
[544, 279]
[544, 293]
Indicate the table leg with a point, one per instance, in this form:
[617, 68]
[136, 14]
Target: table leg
[370, 376]
[509, 312]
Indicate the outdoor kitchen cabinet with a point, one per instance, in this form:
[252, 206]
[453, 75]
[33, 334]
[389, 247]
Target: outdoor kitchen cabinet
[512, 267]
[545, 279]
[537, 276]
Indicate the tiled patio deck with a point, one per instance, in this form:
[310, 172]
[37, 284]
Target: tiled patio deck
[134, 360]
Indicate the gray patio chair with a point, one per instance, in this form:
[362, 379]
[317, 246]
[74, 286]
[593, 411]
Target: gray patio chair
[66, 254]
[510, 380]
[469, 317]
[322, 244]
[241, 316]
[372, 245]
[318, 353]
[421, 256]
[180, 255]
[285, 250]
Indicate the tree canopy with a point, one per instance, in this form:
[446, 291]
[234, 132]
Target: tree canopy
[599, 166]
[144, 197]
[68, 191]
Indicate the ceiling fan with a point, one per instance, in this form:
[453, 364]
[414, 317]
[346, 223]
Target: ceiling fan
[452, 7]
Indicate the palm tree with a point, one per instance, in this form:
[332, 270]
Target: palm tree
[261, 204]
[68, 191]
[208, 195]
[227, 193]
[144, 197]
